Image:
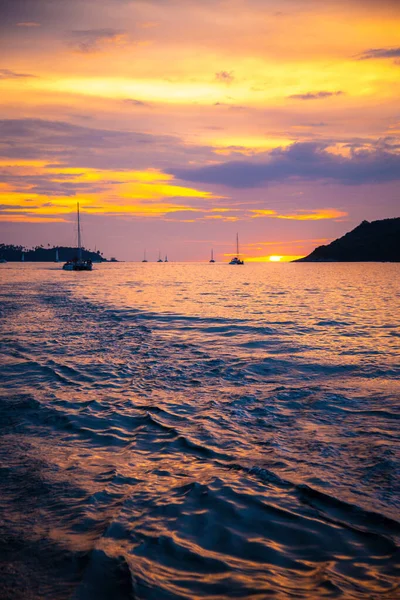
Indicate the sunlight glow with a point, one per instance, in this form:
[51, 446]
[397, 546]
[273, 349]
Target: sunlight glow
[282, 258]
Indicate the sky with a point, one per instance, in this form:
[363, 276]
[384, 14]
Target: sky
[177, 123]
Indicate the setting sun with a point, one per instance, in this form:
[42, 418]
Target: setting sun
[275, 258]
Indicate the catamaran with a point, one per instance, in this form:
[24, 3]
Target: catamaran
[77, 263]
[212, 256]
[236, 259]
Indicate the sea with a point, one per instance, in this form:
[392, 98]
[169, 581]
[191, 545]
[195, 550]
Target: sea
[186, 431]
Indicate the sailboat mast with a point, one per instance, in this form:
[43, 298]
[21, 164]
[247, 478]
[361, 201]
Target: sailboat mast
[237, 244]
[212, 253]
[79, 235]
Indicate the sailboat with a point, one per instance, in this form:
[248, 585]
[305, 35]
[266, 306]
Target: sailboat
[166, 258]
[77, 263]
[159, 257]
[144, 257]
[57, 258]
[236, 259]
[212, 256]
[23, 257]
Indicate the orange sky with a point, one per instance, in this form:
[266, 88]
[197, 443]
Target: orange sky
[177, 123]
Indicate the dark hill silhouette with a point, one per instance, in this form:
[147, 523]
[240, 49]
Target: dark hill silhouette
[41, 254]
[377, 241]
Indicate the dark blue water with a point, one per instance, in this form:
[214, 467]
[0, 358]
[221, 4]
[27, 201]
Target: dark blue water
[200, 431]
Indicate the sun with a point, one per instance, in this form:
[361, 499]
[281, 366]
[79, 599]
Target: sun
[275, 258]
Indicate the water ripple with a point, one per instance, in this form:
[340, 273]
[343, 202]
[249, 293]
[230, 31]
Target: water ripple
[205, 452]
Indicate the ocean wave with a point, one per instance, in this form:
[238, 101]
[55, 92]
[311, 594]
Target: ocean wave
[195, 450]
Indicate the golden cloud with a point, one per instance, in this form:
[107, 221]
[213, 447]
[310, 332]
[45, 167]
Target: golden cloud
[301, 215]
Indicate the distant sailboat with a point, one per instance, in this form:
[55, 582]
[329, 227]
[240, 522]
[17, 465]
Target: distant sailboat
[57, 258]
[159, 257]
[144, 257]
[23, 257]
[212, 256]
[236, 259]
[77, 263]
[166, 258]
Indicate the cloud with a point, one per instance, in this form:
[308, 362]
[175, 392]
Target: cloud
[106, 169]
[54, 184]
[225, 76]
[60, 132]
[375, 53]
[315, 95]
[30, 218]
[17, 207]
[302, 215]
[90, 147]
[136, 103]
[303, 161]
[7, 74]
[28, 24]
[95, 40]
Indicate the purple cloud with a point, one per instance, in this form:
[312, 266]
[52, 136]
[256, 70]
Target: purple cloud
[75, 145]
[304, 161]
[92, 40]
[136, 103]
[7, 74]
[315, 95]
[380, 53]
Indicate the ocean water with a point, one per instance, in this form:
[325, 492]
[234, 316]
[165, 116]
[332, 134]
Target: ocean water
[185, 431]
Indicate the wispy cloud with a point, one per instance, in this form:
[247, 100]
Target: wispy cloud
[225, 76]
[95, 40]
[375, 53]
[320, 124]
[30, 218]
[7, 74]
[301, 215]
[136, 103]
[75, 145]
[315, 95]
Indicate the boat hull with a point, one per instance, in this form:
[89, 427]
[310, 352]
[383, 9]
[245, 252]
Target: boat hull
[72, 267]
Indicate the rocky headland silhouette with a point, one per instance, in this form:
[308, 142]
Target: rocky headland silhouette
[375, 241]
